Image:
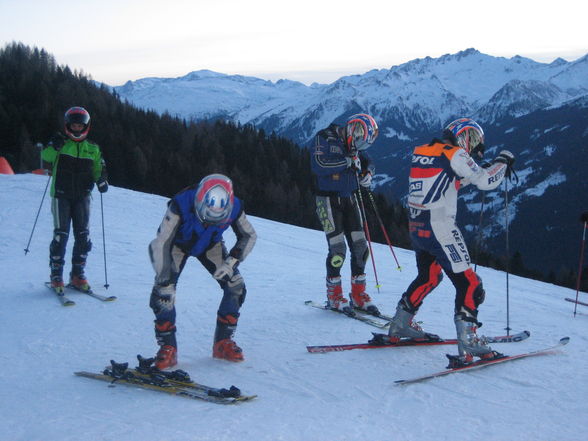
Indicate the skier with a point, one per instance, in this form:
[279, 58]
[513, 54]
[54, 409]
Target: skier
[339, 162]
[438, 170]
[193, 225]
[76, 165]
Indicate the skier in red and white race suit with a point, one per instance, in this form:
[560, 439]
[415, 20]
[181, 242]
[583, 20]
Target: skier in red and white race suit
[193, 225]
[438, 170]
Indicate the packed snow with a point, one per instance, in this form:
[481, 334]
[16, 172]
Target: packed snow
[301, 396]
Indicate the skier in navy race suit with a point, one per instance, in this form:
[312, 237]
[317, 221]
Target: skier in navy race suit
[193, 225]
[340, 164]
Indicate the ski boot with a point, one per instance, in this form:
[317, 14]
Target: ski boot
[335, 299]
[403, 326]
[469, 345]
[167, 356]
[78, 280]
[57, 284]
[224, 347]
[228, 350]
[359, 298]
[56, 277]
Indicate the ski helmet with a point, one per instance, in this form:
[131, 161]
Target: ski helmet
[214, 199]
[361, 131]
[77, 115]
[466, 133]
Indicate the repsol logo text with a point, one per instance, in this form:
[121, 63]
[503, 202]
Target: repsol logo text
[424, 160]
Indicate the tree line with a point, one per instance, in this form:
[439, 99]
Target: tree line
[159, 154]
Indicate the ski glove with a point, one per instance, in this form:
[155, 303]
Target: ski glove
[365, 179]
[226, 270]
[102, 185]
[353, 162]
[57, 141]
[507, 158]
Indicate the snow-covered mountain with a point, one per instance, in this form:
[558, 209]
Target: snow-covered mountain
[533, 109]
[418, 96]
[344, 396]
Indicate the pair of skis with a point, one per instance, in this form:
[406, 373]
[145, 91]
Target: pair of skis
[176, 382]
[66, 301]
[382, 341]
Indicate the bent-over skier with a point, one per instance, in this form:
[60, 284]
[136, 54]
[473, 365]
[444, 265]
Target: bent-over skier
[193, 225]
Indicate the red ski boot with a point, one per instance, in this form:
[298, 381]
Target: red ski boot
[227, 349]
[166, 357]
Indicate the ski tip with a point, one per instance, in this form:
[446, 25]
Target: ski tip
[528, 333]
[564, 340]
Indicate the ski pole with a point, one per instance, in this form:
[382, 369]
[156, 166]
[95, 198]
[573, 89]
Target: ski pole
[366, 229]
[507, 256]
[479, 238]
[584, 218]
[37, 217]
[103, 242]
[379, 218]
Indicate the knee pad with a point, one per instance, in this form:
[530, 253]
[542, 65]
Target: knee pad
[57, 246]
[162, 299]
[336, 260]
[83, 244]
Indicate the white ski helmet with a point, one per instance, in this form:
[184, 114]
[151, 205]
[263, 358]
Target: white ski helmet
[466, 133]
[214, 199]
[361, 131]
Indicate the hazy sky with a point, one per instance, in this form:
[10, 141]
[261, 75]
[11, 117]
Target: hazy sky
[304, 40]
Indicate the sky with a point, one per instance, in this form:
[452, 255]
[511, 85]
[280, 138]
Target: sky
[340, 396]
[308, 40]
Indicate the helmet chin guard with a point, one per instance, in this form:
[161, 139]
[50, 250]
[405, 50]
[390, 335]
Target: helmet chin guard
[76, 115]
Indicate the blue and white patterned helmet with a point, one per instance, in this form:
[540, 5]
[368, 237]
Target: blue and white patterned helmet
[466, 133]
[361, 131]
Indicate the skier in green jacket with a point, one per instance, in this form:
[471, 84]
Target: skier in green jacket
[76, 165]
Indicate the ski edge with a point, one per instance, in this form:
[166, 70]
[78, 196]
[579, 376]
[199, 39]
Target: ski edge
[562, 342]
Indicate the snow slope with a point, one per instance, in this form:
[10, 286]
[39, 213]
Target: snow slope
[338, 396]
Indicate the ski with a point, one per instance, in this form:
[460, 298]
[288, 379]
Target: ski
[178, 377]
[485, 363]
[119, 373]
[576, 301]
[65, 301]
[388, 318]
[379, 342]
[361, 316]
[92, 293]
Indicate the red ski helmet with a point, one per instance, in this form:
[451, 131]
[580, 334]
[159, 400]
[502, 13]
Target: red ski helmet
[214, 199]
[76, 115]
[361, 131]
